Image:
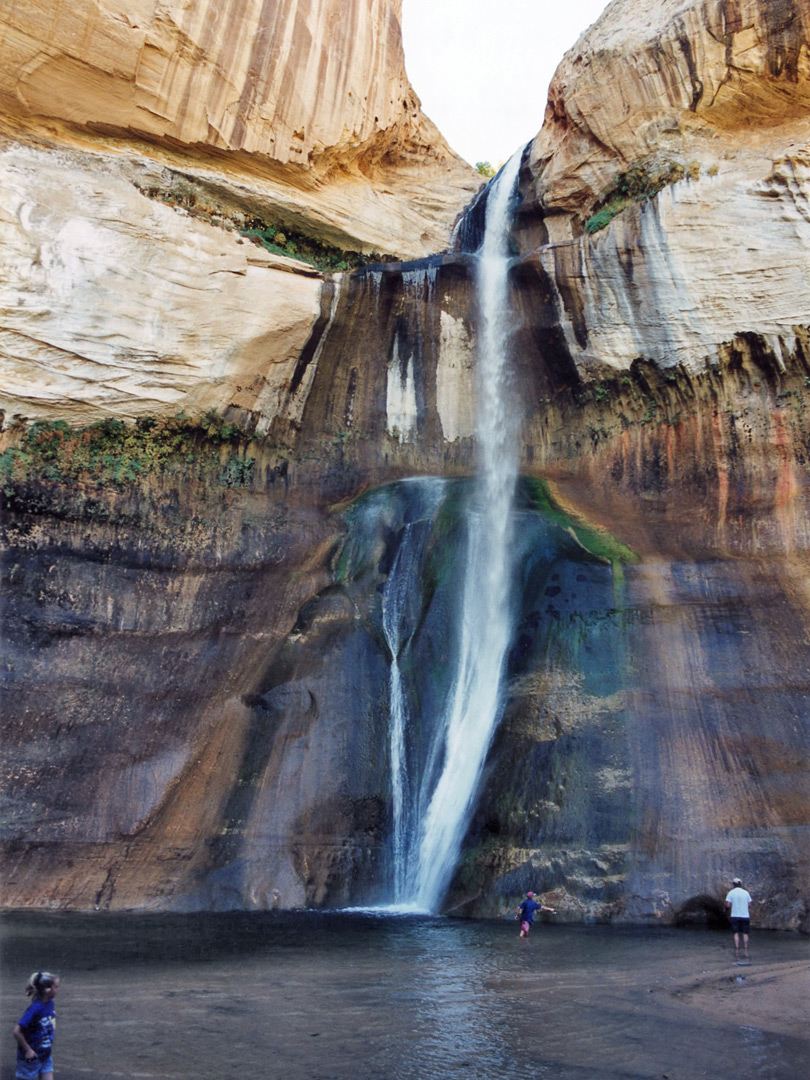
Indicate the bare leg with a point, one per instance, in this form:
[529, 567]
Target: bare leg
[745, 946]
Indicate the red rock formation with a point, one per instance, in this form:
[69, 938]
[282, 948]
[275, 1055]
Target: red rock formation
[198, 690]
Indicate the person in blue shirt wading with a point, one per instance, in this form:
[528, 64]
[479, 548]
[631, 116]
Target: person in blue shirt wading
[34, 1032]
[738, 902]
[525, 913]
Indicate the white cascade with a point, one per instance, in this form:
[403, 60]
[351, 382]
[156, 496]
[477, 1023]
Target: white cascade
[475, 701]
[400, 604]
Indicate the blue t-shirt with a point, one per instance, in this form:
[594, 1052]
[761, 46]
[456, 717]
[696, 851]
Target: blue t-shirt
[38, 1023]
[527, 909]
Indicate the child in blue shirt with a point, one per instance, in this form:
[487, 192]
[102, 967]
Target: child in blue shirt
[34, 1032]
[525, 913]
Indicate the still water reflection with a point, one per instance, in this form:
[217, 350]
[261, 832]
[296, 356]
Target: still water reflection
[332, 996]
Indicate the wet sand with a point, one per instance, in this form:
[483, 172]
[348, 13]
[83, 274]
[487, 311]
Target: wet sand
[330, 996]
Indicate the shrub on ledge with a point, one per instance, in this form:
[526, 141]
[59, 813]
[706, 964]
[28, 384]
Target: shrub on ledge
[112, 452]
[638, 183]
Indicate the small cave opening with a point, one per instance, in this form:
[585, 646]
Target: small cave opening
[702, 910]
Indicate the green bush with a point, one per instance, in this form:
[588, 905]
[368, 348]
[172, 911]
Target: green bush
[112, 452]
[274, 237]
[312, 252]
[600, 220]
[238, 472]
[639, 182]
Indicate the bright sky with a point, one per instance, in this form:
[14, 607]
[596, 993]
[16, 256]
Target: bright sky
[482, 67]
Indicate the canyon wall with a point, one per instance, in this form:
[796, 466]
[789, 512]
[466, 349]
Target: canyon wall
[297, 113]
[195, 676]
[163, 168]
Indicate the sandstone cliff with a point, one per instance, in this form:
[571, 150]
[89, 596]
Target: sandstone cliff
[196, 670]
[704, 106]
[298, 109]
[115, 304]
[142, 142]
[718, 79]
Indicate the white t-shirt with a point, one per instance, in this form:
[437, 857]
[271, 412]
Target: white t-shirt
[739, 900]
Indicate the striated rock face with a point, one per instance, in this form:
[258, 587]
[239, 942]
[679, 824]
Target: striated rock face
[667, 282]
[140, 143]
[136, 621]
[708, 101]
[196, 672]
[204, 650]
[285, 80]
[115, 304]
[304, 104]
[720, 78]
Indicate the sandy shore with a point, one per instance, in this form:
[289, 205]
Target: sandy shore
[774, 997]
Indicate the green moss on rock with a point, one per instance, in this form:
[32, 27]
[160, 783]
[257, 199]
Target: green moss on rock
[641, 181]
[597, 542]
[111, 452]
[305, 249]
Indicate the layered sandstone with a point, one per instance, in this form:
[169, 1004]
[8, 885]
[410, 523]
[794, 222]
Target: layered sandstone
[722, 80]
[195, 667]
[674, 279]
[306, 104]
[115, 304]
[713, 99]
[139, 143]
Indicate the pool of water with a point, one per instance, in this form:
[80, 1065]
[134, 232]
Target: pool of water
[362, 996]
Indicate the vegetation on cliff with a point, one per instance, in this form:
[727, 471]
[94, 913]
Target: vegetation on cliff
[484, 168]
[111, 452]
[274, 236]
[639, 182]
[597, 542]
[280, 240]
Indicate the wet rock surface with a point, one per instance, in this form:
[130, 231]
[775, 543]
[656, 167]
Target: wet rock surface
[194, 693]
[203, 692]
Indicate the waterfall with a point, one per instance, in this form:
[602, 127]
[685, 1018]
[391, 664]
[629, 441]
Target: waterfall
[400, 605]
[485, 625]
[451, 773]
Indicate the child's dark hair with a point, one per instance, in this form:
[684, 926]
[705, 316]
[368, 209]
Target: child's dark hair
[39, 982]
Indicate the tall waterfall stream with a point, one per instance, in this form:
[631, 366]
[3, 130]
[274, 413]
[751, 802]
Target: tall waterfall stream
[430, 811]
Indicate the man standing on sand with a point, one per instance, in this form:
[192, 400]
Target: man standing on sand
[525, 913]
[738, 901]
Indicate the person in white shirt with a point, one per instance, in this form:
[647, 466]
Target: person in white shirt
[738, 902]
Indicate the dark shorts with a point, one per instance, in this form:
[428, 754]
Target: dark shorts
[740, 926]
